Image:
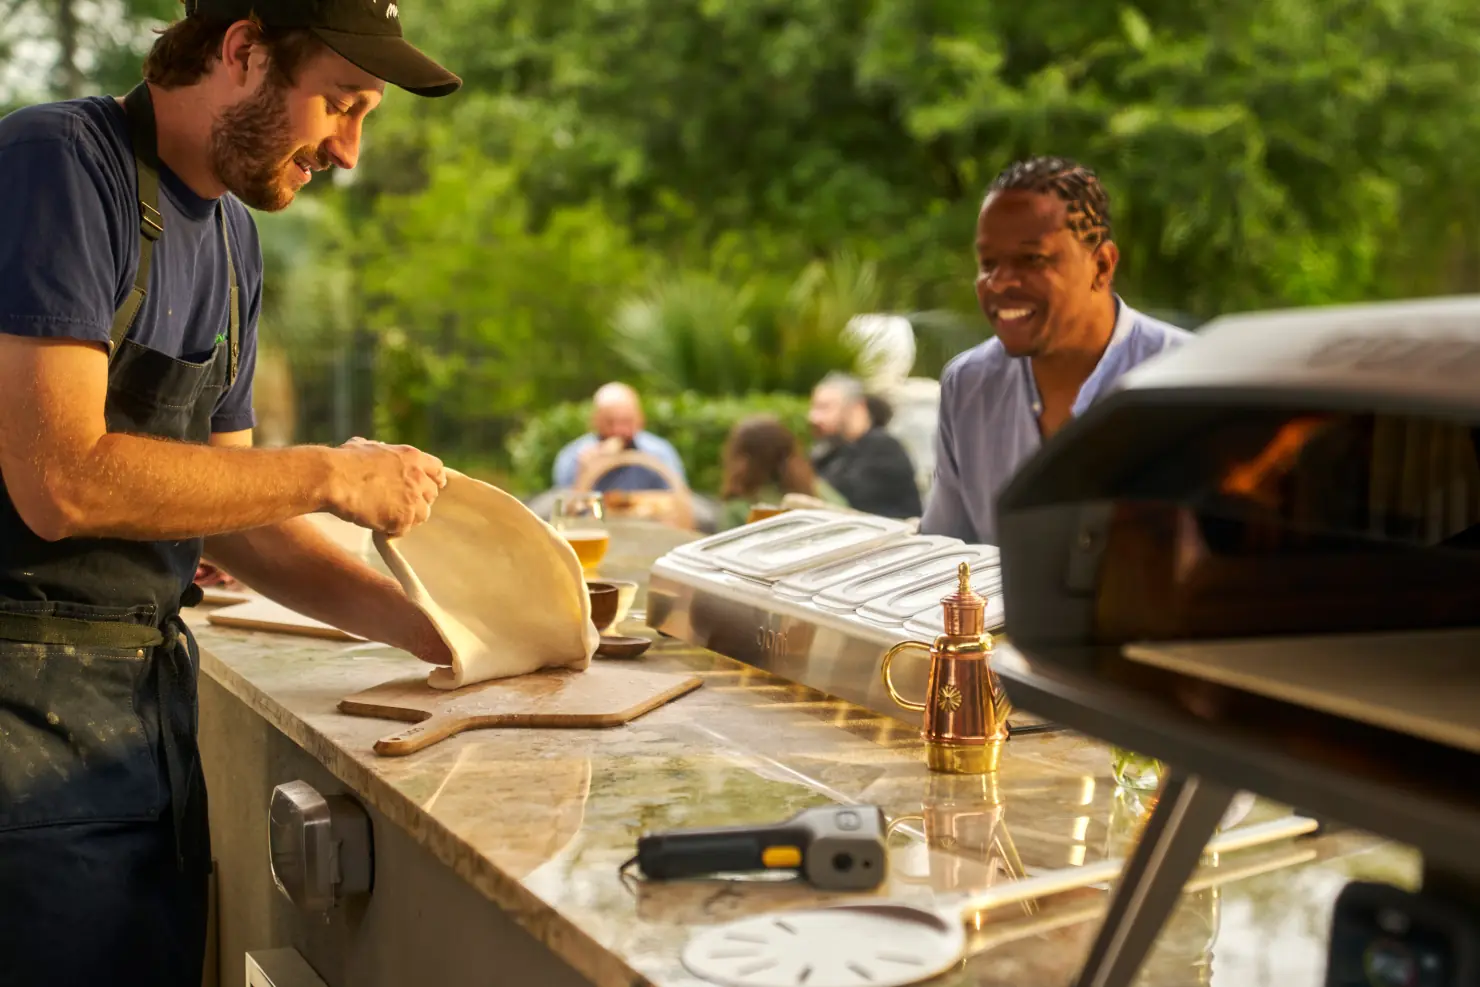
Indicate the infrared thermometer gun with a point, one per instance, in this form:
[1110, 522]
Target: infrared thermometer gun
[834, 848]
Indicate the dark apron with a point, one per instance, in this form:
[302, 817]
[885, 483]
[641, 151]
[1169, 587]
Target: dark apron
[104, 843]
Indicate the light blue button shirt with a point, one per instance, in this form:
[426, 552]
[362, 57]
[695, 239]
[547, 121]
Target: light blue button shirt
[623, 477]
[989, 408]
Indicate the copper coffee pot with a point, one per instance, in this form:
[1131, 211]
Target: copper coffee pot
[965, 708]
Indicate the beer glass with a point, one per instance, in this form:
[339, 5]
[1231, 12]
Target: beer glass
[759, 512]
[581, 520]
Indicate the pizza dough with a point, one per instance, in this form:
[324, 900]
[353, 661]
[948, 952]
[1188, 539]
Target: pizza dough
[502, 587]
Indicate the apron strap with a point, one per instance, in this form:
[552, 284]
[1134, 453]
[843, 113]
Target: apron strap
[234, 332]
[177, 672]
[139, 108]
[140, 112]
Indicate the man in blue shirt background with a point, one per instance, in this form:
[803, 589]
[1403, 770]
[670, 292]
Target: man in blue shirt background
[1045, 270]
[617, 425]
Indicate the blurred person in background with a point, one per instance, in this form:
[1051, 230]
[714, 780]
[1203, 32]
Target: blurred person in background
[880, 411]
[1045, 280]
[616, 426]
[762, 463]
[853, 452]
[130, 286]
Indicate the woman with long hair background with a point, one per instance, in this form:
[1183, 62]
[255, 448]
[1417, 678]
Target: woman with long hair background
[762, 463]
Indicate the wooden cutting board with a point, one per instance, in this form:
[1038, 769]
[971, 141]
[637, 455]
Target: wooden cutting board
[262, 614]
[601, 696]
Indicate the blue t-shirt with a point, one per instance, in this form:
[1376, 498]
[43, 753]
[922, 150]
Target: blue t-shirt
[69, 245]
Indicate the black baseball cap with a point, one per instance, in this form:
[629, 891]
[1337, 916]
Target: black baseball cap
[366, 32]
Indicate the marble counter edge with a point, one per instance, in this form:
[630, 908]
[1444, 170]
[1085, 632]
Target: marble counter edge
[544, 922]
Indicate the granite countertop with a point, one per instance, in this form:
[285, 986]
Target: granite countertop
[540, 821]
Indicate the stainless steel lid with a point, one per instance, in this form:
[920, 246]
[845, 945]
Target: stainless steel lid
[894, 628]
[703, 553]
[805, 585]
[817, 545]
[930, 623]
[916, 597]
[871, 586]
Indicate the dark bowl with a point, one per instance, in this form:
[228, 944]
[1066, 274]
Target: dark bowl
[622, 647]
[605, 598]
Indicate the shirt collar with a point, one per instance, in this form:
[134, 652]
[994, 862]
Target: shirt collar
[1125, 323]
[184, 197]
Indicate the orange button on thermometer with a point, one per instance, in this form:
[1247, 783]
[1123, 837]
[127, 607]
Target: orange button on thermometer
[782, 857]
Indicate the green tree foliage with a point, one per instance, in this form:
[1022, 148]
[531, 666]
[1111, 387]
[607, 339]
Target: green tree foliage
[69, 48]
[634, 189]
[700, 333]
[1260, 152]
[470, 302]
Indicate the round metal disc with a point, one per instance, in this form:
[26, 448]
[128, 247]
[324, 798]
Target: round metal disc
[863, 945]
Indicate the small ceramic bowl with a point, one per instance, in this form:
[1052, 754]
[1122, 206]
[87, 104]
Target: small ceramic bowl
[626, 596]
[605, 599]
[622, 648]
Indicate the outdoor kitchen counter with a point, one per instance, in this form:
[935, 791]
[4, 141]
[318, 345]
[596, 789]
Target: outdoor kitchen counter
[538, 822]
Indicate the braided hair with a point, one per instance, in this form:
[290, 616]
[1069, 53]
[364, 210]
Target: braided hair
[1088, 208]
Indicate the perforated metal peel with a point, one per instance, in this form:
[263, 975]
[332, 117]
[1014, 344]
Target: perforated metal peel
[892, 943]
[864, 945]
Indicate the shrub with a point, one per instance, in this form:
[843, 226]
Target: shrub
[710, 334]
[484, 315]
[697, 426]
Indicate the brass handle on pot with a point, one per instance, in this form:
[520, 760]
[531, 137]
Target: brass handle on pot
[889, 657]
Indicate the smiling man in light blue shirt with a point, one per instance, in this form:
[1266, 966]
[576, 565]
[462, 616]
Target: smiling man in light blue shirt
[1045, 267]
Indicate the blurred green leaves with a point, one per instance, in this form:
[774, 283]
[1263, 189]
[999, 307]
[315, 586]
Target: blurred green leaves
[1259, 152]
[468, 300]
[697, 194]
[701, 333]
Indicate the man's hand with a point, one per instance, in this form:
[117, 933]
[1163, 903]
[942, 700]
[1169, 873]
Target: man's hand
[597, 450]
[383, 487]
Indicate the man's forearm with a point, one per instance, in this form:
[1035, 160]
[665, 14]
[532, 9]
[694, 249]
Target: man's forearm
[298, 566]
[144, 488]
